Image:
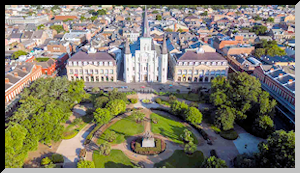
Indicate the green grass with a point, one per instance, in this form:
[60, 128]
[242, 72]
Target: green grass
[123, 128]
[72, 130]
[181, 160]
[116, 159]
[41, 59]
[169, 128]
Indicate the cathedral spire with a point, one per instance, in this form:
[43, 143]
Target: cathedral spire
[164, 46]
[146, 32]
[127, 48]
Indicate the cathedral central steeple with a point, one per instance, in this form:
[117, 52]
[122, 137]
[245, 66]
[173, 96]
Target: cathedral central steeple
[146, 32]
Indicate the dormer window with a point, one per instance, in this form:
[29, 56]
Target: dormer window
[191, 63]
[185, 63]
[208, 63]
[70, 63]
[101, 63]
[79, 63]
[84, 63]
[75, 63]
[105, 63]
[180, 63]
[110, 63]
[196, 63]
[95, 63]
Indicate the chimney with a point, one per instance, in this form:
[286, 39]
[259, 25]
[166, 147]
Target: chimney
[272, 69]
[16, 74]
[24, 69]
[290, 81]
[280, 74]
[6, 80]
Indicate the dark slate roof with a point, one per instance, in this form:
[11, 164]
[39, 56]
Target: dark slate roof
[196, 45]
[98, 56]
[37, 34]
[285, 79]
[15, 35]
[276, 73]
[291, 86]
[193, 56]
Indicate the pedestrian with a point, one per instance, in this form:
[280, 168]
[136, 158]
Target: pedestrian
[245, 146]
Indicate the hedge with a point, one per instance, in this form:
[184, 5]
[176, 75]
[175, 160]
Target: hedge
[160, 146]
[229, 134]
[133, 100]
[57, 158]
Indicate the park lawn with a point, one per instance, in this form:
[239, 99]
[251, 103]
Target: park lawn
[116, 159]
[180, 159]
[169, 128]
[123, 128]
[191, 97]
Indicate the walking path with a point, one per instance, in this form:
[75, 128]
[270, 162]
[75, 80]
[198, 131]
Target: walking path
[70, 148]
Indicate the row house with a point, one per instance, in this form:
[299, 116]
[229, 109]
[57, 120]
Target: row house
[92, 66]
[279, 81]
[17, 76]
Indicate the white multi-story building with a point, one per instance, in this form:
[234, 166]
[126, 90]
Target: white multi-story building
[145, 61]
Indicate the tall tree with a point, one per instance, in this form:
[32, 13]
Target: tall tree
[102, 116]
[15, 153]
[278, 151]
[213, 162]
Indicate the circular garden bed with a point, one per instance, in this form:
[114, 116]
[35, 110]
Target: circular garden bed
[136, 146]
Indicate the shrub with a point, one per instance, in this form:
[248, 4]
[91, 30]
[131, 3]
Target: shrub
[105, 149]
[229, 134]
[85, 164]
[158, 100]
[155, 120]
[172, 98]
[186, 136]
[138, 116]
[216, 129]
[190, 147]
[57, 158]
[133, 100]
[193, 115]
[146, 101]
[213, 162]
[45, 161]
[100, 102]
[194, 104]
[110, 136]
[50, 165]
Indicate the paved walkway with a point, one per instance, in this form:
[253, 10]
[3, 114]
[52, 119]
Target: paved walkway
[70, 148]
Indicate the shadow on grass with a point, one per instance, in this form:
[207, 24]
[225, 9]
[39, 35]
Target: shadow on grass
[111, 164]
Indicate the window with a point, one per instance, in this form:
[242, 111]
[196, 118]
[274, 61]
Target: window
[95, 63]
[70, 63]
[191, 63]
[111, 71]
[105, 63]
[80, 71]
[84, 63]
[196, 63]
[96, 71]
[180, 63]
[208, 63]
[185, 63]
[110, 63]
[86, 71]
[71, 71]
[190, 72]
[106, 71]
[79, 63]
[212, 72]
[101, 63]
[76, 71]
[179, 72]
[184, 71]
[101, 71]
[196, 72]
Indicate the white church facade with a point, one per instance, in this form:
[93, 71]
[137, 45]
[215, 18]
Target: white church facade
[144, 60]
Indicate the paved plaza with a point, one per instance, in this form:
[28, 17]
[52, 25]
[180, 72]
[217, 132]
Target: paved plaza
[147, 86]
